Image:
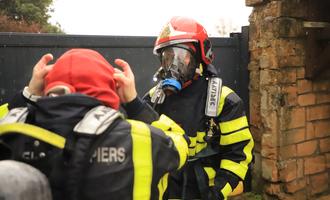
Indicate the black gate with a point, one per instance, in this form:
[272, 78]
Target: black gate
[20, 51]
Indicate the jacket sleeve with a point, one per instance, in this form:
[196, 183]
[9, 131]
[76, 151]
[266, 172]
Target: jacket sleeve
[175, 134]
[138, 109]
[236, 143]
[21, 99]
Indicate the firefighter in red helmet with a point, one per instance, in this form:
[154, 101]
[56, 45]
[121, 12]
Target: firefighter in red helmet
[190, 91]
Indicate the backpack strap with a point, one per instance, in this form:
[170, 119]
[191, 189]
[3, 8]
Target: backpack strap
[213, 96]
[96, 121]
[211, 109]
[15, 115]
[212, 104]
[88, 134]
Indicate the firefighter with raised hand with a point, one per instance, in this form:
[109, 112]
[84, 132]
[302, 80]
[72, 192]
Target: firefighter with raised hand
[190, 91]
[82, 143]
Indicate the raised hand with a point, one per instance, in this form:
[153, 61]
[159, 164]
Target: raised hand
[40, 70]
[125, 81]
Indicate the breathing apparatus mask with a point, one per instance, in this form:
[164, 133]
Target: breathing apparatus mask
[178, 65]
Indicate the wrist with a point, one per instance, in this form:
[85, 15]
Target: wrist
[30, 95]
[131, 98]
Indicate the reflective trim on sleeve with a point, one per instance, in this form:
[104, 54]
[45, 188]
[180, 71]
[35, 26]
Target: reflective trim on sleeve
[200, 137]
[226, 190]
[167, 124]
[193, 141]
[201, 144]
[181, 146]
[192, 146]
[162, 185]
[192, 152]
[235, 137]
[3, 110]
[142, 160]
[34, 132]
[210, 174]
[248, 153]
[233, 125]
[240, 168]
[175, 132]
[237, 168]
[225, 91]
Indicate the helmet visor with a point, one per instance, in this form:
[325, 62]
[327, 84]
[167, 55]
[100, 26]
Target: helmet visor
[178, 62]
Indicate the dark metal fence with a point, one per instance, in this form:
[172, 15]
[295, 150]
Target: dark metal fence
[20, 51]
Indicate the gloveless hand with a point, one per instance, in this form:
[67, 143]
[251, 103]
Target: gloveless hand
[125, 81]
[40, 70]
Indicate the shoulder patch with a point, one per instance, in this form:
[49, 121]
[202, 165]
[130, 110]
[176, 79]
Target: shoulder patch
[97, 120]
[15, 115]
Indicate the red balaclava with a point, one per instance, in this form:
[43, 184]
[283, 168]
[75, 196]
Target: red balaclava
[87, 72]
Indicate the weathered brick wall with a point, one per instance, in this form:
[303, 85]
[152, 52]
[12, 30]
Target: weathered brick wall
[290, 114]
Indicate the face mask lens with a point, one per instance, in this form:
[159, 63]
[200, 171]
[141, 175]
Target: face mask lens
[178, 63]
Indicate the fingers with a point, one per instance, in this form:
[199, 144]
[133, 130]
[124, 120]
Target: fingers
[118, 70]
[45, 59]
[46, 69]
[125, 66]
[120, 78]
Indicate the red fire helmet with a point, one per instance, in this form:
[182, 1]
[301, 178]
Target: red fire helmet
[182, 30]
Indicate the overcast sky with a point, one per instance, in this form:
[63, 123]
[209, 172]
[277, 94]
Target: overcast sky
[145, 17]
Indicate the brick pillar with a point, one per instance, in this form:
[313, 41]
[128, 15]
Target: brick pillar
[289, 114]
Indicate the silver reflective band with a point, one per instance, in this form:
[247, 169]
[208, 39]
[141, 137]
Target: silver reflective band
[213, 96]
[15, 115]
[97, 120]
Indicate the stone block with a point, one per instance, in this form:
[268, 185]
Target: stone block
[327, 156]
[300, 72]
[322, 128]
[319, 183]
[293, 136]
[254, 81]
[295, 185]
[307, 99]
[323, 98]
[310, 131]
[253, 2]
[269, 77]
[300, 168]
[304, 86]
[287, 27]
[318, 112]
[288, 152]
[292, 118]
[273, 189]
[325, 145]
[288, 76]
[269, 170]
[321, 86]
[294, 8]
[315, 164]
[288, 170]
[307, 148]
[290, 95]
[269, 146]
